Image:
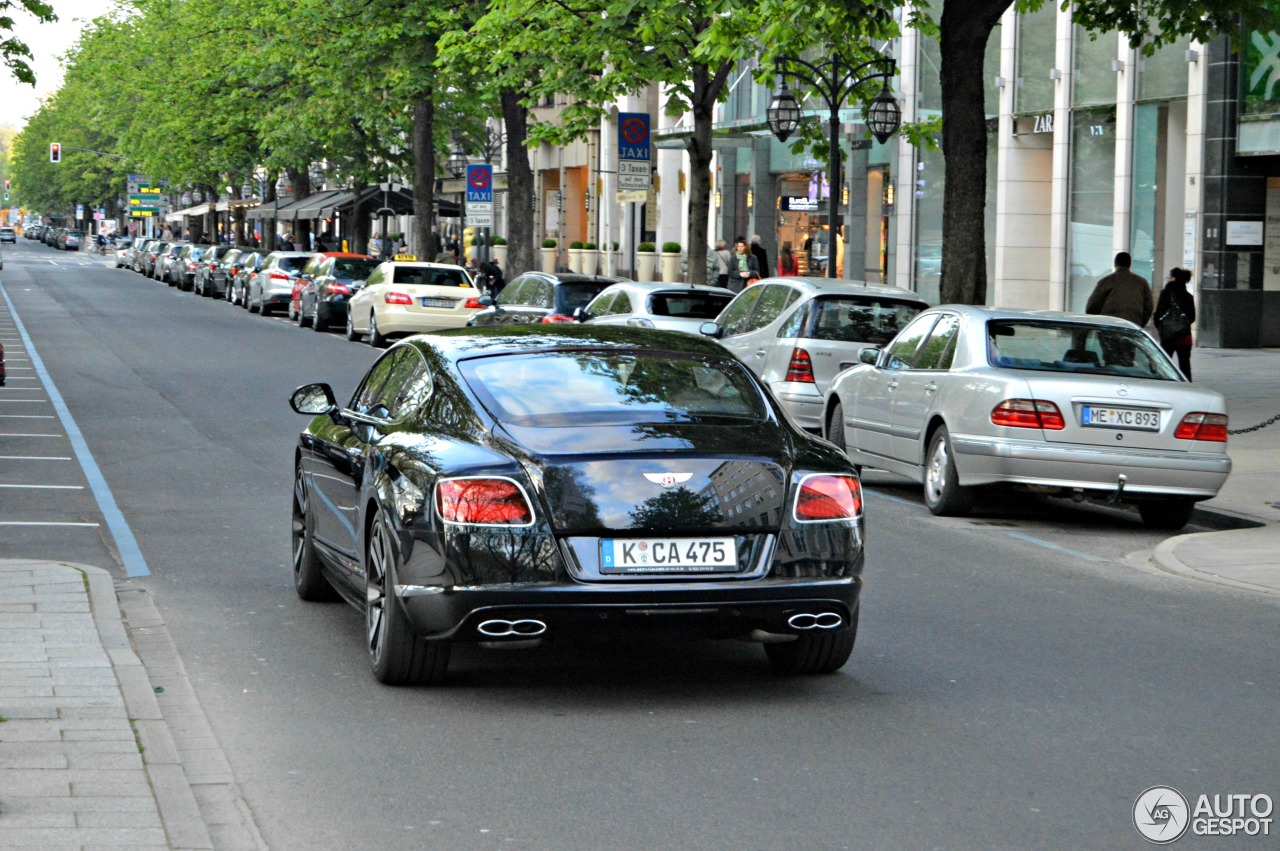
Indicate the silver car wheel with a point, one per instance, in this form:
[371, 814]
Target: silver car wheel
[376, 590]
[936, 476]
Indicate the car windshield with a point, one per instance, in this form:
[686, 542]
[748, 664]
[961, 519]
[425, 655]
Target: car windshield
[292, 264]
[1076, 348]
[575, 294]
[427, 276]
[75, 233]
[858, 319]
[356, 270]
[688, 304]
[568, 389]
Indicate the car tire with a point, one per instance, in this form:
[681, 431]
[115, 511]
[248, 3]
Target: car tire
[249, 304]
[1170, 514]
[398, 656]
[308, 578]
[293, 317]
[942, 491]
[352, 334]
[375, 339]
[317, 322]
[810, 653]
[303, 321]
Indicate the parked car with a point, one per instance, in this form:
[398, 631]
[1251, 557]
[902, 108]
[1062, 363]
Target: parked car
[450, 500]
[145, 256]
[246, 265]
[165, 256]
[1084, 406]
[542, 298]
[183, 268]
[271, 286]
[798, 333]
[125, 249]
[403, 297]
[71, 240]
[211, 275]
[321, 293]
[8, 235]
[671, 307]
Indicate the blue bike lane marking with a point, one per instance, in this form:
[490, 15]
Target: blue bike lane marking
[126, 544]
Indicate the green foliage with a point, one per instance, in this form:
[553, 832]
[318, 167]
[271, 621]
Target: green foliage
[14, 52]
[497, 240]
[670, 248]
[575, 245]
[548, 243]
[646, 248]
[590, 246]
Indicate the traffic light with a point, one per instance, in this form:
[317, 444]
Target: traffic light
[55, 152]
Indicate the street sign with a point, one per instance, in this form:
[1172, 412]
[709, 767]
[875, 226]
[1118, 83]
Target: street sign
[635, 168]
[480, 185]
[480, 215]
[633, 196]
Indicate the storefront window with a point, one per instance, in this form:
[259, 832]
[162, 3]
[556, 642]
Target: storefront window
[1163, 75]
[1093, 79]
[927, 265]
[1146, 155]
[1093, 159]
[1036, 36]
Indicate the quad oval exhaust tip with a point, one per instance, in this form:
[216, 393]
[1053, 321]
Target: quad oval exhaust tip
[821, 620]
[500, 628]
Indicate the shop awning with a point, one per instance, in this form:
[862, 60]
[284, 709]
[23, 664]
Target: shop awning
[311, 206]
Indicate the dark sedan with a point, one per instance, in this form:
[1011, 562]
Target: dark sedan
[542, 298]
[510, 485]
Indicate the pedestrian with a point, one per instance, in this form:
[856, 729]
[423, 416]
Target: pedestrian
[1174, 313]
[375, 246]
[403, 247]
[723, 260]
[1122, 294]
[787, 264]
[745, 270]
[494, 273]
[762, 256]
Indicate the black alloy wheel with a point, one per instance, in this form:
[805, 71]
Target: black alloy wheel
[308, 579]
[397, 655]
[317, 321]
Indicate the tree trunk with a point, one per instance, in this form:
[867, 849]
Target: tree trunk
[700, 151]
[515, 118]
[424, 176]
[965, 29]
[301, 228]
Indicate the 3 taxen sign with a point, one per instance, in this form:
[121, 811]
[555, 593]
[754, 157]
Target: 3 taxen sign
[635, 169]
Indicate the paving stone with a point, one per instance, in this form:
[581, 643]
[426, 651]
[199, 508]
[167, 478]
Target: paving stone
[31, 820]
[107, 837]
[91, 789]
[117, 819]
[45, 758]
[106, 761]
[33, 690]
[82, 804]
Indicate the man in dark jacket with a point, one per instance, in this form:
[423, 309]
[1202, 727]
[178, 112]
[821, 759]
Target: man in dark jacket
[1122, 294]
[762, 256]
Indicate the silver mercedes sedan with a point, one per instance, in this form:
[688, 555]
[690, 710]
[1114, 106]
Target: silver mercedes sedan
[1055, 403]
[668, 306]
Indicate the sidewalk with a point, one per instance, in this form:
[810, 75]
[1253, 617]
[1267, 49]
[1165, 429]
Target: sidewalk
[94, 751]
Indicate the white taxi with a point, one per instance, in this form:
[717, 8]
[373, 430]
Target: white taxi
[404, 296]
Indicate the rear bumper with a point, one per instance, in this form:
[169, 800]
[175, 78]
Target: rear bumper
[981, 461]
[801, 401]
[393, 319]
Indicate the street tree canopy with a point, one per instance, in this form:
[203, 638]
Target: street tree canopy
[14, 51]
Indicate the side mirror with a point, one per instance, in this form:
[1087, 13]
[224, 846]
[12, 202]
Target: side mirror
[313, 399]
[710, 329]
[869, 355]
[306, 276]
[580, 314]
[486, 300]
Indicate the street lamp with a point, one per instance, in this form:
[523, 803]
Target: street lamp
[457, 166]
[834, 80]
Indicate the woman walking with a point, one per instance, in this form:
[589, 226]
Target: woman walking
[1174, 313]
[787, 265]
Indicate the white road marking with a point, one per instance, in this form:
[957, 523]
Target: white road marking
[43, 523]
[35, 458]
[45, 487]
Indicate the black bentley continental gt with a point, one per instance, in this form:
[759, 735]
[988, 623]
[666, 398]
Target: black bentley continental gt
[514, 485]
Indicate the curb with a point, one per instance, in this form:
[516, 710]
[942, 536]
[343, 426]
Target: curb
[179, 811]
[1164, 557]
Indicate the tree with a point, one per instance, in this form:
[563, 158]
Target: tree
[15, 52]
[963, 30]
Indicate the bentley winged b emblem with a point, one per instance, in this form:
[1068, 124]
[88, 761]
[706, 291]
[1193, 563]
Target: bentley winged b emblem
[668, 480]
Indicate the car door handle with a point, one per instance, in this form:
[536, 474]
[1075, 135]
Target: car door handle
[893, 384]
[931, 388]
[760, 353]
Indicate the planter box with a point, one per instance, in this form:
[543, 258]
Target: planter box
[646, 262]
[500, 254]
[670, 267]
[575, 260]
[590, 261]
[548, 259]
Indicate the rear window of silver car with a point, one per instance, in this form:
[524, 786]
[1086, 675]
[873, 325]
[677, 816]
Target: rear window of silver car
[1069, 347]
[856, 319]
[688, 305]
[565, 389]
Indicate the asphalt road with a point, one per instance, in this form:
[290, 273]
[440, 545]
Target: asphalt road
[1016, 683]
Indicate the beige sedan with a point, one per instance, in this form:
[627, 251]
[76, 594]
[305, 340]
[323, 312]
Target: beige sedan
[404, 297]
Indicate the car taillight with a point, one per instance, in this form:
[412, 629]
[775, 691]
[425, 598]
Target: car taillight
[191, 266]
[553, 318]
[1202, 426]
[1028, 413]
[278, 276]
[483, 502]
[800, 368]
[473, 303]
[397, 298]
[828, 498]
[335, 288]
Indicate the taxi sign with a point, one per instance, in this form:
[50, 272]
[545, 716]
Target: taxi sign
[406, 258]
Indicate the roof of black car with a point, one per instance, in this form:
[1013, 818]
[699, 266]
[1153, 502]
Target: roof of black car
[503, 340]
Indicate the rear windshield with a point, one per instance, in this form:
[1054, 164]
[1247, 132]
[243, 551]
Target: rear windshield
[688, 305]
[430, 277]
[292, 264]
[78, 233]
[356, 270]
[568, 389]
[1076, 348]
[858, 319]
[575, 294]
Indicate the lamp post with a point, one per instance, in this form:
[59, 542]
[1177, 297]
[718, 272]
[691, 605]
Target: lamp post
[834, 80]
[457, 165]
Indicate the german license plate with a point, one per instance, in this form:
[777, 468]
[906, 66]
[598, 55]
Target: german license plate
[1140, 419]
[439, 302]
[668, 555]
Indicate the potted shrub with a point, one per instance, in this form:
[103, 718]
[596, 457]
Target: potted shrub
[646, 261]
[670, 262]
[499, 246]
[590, 259]
[548, 255]
[575, 256]
[613, 261]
